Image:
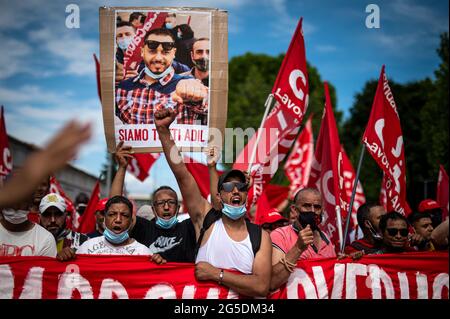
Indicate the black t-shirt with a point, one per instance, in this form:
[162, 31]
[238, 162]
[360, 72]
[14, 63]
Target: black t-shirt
[175, 245]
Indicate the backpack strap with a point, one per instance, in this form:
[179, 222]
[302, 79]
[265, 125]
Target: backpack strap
[255, 232]
[209, 219]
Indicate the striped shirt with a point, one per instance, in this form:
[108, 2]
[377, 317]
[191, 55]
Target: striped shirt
[137, 100]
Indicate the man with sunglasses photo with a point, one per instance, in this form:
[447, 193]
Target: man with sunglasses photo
[301, 240]
[157, 86]
[226, 252]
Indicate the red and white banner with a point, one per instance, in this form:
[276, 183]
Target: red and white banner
[400, 276]
[383, 139]
[132, 56]
[279, 130]
[298, 165]
[348, 182]
[442, 191]
[141, 163]
[327, 173]
[55, 187]
[6, 161]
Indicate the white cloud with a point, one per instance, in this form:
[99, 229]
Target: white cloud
[75, 52]
[325, 48]
[15, 53]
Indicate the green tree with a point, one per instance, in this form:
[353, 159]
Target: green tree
[423, 110]
[251, 78]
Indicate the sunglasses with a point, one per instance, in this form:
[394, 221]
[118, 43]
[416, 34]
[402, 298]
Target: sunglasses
[153, 45]
[229, 186]
[395, 231]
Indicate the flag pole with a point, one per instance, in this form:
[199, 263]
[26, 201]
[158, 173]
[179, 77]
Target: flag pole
[349, 213]
[268, 104]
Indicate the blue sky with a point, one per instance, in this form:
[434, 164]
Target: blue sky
[47, 75]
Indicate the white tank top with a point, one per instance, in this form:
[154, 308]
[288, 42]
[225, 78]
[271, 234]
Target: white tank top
[223, 252]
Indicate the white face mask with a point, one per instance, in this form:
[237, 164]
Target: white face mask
[15, 216]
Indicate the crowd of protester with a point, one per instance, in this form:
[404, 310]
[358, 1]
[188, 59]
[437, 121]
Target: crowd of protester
[218, 236]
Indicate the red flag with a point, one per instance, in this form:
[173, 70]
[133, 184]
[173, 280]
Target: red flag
[6, 161]
[276, 194]
[132, 56]
[442, 191]
[141, 163]
[298, 165]
[262, 209]
[97, 73]
[55, 187]
[384, 141]
[87, 220]
[280, 128]
[200, 172]
[327, 172]
[348, 182]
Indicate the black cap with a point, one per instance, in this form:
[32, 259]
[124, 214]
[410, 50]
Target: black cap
[230, 173]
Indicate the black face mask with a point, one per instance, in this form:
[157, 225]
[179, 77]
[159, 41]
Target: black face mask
[202, 64]
[436, 218]
[310, 218]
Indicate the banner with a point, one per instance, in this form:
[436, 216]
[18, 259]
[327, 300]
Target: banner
[442, 191]
[298, 165]
[327, 173]
[6, 161]
[383, 139]
[401, 276]
[279, 130]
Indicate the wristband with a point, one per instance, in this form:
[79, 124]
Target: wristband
[221, 277]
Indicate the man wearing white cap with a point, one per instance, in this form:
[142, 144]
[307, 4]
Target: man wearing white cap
[53, 218]
[21, 237]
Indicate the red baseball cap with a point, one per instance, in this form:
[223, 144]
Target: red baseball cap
[101, 204]
[271, 217]
[428, 204]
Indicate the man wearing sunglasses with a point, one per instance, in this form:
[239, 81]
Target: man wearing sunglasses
[157, 86]
[394, 228]
[226, 244]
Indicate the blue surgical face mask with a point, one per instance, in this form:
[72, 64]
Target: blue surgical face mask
[157, 76]
[114, 238]
[166, 223]
[124, 43]
[234, 212]
[169, 25]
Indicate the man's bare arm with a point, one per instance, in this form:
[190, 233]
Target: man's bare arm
[41, 164]
[197, 206]
[122, 157]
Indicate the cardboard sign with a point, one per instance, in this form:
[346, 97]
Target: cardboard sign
[164, 57]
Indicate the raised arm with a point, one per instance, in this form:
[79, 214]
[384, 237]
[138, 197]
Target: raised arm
[122, 155]
[197, 206]
[212, 155]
